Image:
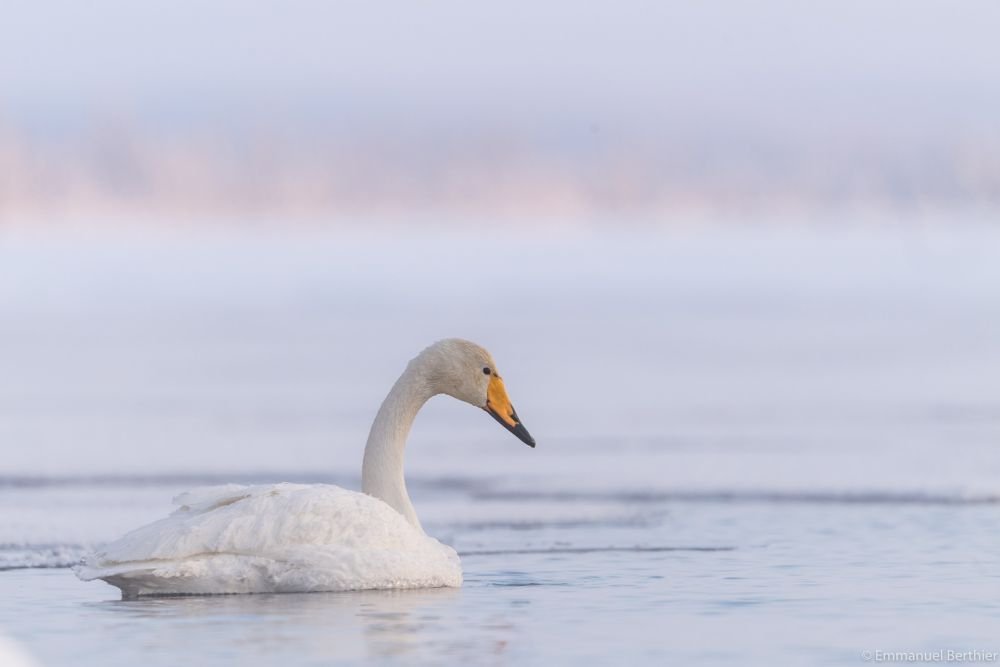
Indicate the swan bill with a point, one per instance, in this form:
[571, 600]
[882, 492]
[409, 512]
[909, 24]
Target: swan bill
[517, 428]
[499, 407]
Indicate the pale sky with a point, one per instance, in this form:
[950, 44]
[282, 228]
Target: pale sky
[782, 65]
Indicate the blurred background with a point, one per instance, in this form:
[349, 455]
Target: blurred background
[607, 115]
[717, 246]
[738, 262]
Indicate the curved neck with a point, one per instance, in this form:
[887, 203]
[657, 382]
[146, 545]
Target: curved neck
[382, 470]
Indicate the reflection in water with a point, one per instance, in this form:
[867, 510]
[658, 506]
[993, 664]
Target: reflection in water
[791, 566]
[418, 624]
[827, 437]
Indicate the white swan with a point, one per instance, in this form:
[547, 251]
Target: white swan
[299, 538]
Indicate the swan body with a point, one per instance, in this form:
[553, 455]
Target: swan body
[275, 538]
[301, 538]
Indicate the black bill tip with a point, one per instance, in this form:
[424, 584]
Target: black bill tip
[517, 429]
[523, 435]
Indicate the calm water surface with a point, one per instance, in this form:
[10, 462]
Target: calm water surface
[768, 582]
[752, 450]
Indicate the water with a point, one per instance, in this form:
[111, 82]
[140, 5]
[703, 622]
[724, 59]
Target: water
[768, 583]
[759, 448]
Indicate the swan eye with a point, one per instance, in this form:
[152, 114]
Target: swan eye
[486, 370]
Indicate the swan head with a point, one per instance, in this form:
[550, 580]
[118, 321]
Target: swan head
[463, 370]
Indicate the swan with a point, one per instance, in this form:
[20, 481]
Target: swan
[284, 538]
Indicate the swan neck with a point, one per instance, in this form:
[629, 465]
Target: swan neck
[382, 470]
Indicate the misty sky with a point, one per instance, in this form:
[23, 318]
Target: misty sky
[779, 66]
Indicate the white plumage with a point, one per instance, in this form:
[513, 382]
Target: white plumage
[276, 538]
[302, 538]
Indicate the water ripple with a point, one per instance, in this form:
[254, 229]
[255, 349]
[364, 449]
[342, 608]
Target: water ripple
[589, 550]
[753, 496]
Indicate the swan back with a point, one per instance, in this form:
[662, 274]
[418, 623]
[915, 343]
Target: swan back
[277, 538]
